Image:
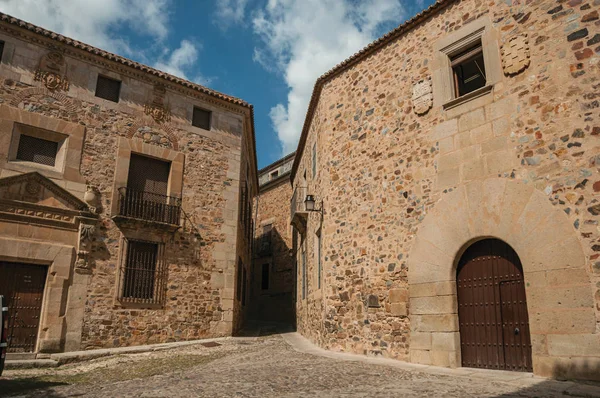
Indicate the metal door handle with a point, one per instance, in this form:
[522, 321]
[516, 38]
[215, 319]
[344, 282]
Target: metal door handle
[517, 331]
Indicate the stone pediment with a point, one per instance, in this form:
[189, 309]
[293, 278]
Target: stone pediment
[34, 198]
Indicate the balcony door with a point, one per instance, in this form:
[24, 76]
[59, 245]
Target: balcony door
[150, 176]
[146, 194]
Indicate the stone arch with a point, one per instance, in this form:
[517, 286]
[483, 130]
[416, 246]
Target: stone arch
[149, 122]
[559, 294]
[31, 91]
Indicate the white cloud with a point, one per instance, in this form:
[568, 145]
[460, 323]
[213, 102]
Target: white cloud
[229, 12]
[180, 59]
[303, 39]
[94, 21]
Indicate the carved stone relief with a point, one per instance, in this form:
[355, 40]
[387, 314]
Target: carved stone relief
[51, 72]
[516, 55]
[422, 96]
[157, 108]
[86, 237]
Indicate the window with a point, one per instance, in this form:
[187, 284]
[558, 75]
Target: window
[143, 272]
[265, 277]
[37, 150]
[470, 67]
[274, 174]
[468, 70]
[201, 118]
[1, 49]
[319, 265]
[108, 88]
[314, 160]
[264, 248]
[303, 273]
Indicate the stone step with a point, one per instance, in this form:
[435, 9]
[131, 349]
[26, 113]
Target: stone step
[30, 363]
[17, 356]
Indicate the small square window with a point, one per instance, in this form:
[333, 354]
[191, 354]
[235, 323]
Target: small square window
[1, 49]
[274, 174]
[108, 88]
[201, 118]
[468, 71]
[37, 150]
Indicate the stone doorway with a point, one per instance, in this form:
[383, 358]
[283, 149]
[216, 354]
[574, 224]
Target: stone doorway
[492, 308]
[22, 285]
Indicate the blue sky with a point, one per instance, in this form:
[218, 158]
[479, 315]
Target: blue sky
[267, 52]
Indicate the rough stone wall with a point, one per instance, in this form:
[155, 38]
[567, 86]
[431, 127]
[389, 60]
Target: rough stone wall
[382, 168]
[201, 271]
[277, 302]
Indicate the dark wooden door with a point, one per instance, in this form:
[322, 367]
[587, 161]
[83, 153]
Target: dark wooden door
[492, 308]
[23, 287]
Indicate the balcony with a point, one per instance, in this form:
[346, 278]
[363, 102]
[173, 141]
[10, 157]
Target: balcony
[149, 207]
[298, 213]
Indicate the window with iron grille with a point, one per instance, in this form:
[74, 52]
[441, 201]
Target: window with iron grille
[265, 277]
[37, 150]
[1, 49]
[201, 118]
[108, 88]
[468, 69]
[143, 272]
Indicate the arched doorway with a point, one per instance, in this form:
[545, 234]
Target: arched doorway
[492, 308]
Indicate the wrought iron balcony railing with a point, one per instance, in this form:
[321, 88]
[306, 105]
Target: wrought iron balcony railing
[149, 206]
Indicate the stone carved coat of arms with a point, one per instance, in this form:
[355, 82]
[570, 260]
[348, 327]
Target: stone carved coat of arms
[422, 96]
[51, 72]
[516, 55]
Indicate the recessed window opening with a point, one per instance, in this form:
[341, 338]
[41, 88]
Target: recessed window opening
[275, 174]
[37, 150]
[265, 277]
[468, 69]
[108, 88]
[201, 118]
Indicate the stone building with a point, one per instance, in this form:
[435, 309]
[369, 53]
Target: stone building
[273, 275]
[125, 198]
[452, 169]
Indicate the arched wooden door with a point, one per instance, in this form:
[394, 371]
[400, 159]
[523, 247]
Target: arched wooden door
[492, 308]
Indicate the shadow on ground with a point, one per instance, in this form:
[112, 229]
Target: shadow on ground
[261, 328]
[25, 385]
[583, 375]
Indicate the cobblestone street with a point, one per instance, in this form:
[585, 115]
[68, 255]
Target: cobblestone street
[266, 367]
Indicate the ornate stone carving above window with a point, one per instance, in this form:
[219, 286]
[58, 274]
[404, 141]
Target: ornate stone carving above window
[422, 96]
[157, 108]
[516, 55]
[158, 112]
[51, 72]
